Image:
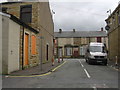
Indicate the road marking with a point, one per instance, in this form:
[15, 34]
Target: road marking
[40, 74]
[94, 88]
[58, 66]
[88, 75]
[81, 64]
[32, 75]
[113, 68]
[105, 86]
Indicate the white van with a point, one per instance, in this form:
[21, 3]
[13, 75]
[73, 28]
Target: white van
[96, 53]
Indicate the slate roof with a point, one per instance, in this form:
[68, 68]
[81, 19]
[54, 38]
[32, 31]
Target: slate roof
[76, 34]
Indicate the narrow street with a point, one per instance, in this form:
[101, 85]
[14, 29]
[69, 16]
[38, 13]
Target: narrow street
[75, 73]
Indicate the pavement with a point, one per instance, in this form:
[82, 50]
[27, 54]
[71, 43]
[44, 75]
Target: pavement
[113, 65]
[36, 70]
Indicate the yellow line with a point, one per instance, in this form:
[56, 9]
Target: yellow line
[58, 67]
[32, 75]
[40, 74]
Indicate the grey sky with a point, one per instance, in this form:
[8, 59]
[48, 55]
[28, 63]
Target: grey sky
[81, 15]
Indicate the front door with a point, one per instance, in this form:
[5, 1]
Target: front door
[26, 49]
[47, 48]
[75, 52]
[60, 52]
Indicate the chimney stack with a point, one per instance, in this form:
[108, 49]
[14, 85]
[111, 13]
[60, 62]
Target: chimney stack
[102, 29]
[73, 30]
[60, 30]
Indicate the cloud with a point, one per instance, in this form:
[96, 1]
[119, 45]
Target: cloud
[81, 15]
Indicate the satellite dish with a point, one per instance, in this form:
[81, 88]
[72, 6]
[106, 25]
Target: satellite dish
[107, 27]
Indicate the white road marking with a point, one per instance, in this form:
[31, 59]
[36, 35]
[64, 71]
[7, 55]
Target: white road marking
[105, 86]
[81, 63]
[94, 88]
[88, 75]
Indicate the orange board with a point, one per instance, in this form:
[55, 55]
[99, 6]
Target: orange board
[33, 45]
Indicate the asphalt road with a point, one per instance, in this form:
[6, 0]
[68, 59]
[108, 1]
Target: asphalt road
[75, 73]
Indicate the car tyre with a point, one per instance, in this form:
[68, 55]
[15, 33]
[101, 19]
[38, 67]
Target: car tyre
[89, 61]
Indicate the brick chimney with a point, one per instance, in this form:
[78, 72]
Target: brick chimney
[73, 30]
[60, 30]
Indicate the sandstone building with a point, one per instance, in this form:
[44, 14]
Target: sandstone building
[73, 43]
[35, 42]
[113, 28]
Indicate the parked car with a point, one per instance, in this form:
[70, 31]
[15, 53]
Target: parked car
[96, 53]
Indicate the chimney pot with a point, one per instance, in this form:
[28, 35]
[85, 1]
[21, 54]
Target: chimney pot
[60, 30]
[102, 29]
[73, 30]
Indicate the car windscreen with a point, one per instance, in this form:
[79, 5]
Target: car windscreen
[96, 49]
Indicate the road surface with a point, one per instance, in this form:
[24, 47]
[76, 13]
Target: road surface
[75, 73]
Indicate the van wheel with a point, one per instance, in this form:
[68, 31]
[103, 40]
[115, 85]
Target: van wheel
[89, 62]
[105, 64]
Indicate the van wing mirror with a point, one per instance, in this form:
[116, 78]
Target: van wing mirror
[88, 50]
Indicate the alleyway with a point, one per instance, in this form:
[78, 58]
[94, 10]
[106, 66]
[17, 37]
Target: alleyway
[75, 73]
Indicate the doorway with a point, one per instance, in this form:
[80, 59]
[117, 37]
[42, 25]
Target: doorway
[26, 49]
[47, 52]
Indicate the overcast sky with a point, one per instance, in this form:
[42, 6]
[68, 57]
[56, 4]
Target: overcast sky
[82, 14]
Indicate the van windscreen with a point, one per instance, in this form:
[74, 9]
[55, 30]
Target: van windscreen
[96, 49]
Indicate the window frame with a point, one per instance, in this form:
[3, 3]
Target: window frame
[23, 12]
[119, 17]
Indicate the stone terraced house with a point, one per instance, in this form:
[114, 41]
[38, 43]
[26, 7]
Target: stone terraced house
[36, 29]
[113, 28]
[73, 43]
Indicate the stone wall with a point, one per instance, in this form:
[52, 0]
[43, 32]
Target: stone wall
[0, 45]
[113, 44]
[41, 21]
[33, 59]
[82, 41]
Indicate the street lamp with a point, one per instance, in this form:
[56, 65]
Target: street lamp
[40, 51]
[109, 11]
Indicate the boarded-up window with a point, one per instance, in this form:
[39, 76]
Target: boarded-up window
[33, 44]
[26, 13]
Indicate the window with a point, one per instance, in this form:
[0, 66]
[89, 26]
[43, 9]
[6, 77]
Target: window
[99, 39]
[68, 51]
[119, 17]
[4, 10]
[26, 13]
[33, 44]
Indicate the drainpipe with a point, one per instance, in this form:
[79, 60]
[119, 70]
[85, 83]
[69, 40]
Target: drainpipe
[23, 49]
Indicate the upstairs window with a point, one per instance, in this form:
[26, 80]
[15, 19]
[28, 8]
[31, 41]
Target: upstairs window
[26, 13]
[4, 9]
[33, 44]
[119, 17]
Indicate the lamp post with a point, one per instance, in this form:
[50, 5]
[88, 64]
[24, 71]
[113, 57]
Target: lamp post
[40, 51]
